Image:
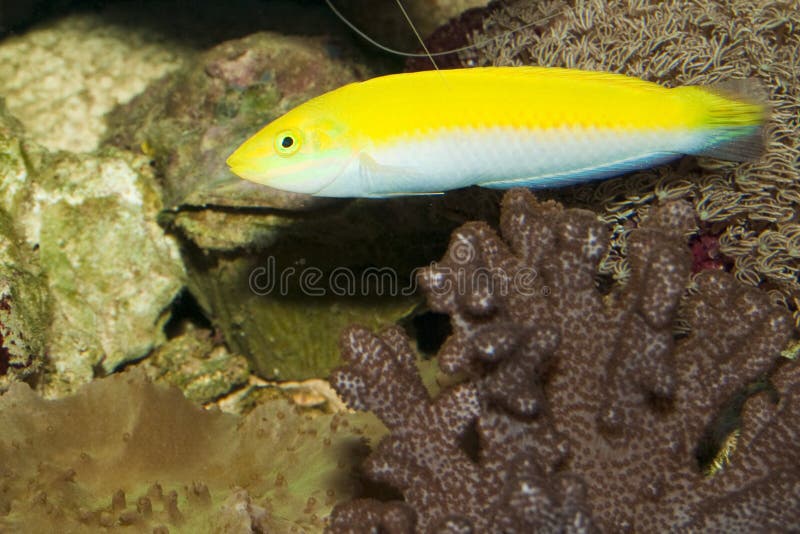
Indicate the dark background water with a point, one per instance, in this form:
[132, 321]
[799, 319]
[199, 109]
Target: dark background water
[174, 16]
[202, 24]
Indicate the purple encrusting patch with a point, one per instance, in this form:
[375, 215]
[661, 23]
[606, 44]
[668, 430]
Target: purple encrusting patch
[5, 355]
[706, 254]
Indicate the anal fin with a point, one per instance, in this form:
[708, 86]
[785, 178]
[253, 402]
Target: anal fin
[382, 181]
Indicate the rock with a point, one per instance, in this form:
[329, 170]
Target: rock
[189, 123]
[89, 222]
[62, 77]
[283, 301]
[24, 304]
[111, 270]
[195, 364]
[389, 27]
[24, 311]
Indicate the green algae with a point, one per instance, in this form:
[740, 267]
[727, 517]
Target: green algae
[25, 311]
[295, 338]
[111, 270]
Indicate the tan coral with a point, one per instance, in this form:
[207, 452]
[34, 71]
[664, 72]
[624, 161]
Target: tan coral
[123, 454]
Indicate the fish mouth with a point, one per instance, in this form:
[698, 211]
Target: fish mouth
[239, 164]
[290, 178]
[234, 160]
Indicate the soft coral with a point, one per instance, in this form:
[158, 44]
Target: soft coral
[588, 408]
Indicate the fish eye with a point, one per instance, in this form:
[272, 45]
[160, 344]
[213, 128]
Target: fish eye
[287, 143]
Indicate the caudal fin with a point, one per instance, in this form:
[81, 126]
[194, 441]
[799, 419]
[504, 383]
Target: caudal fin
[735, 113]
[735, 144]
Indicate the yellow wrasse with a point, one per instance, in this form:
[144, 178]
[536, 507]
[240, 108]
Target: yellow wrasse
[427, 132]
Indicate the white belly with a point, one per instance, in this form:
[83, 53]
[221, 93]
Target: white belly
[506, 157]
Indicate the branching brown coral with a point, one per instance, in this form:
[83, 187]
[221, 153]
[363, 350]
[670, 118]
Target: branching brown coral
[424, 459]
[589, 411]
[678, 42]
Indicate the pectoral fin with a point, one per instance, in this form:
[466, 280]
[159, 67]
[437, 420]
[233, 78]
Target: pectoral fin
[381, 181]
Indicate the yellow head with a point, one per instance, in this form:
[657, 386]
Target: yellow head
[303, 151]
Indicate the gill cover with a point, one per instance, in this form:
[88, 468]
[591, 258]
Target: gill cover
[301, 152]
